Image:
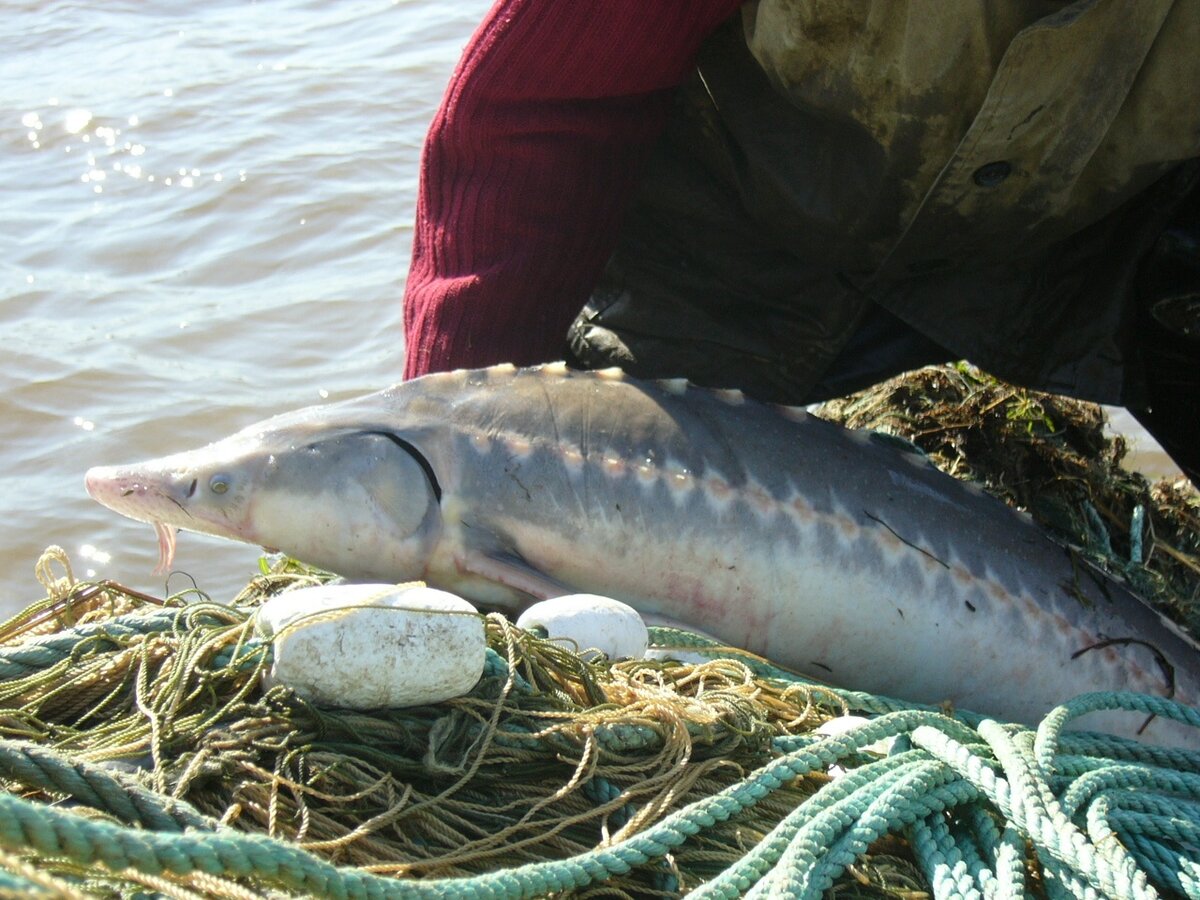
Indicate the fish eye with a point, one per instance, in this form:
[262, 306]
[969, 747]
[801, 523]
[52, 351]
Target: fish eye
[218, 484]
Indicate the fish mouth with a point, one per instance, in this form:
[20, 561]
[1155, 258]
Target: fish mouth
[116, 489]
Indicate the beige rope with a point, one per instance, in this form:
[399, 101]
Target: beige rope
[57, 586]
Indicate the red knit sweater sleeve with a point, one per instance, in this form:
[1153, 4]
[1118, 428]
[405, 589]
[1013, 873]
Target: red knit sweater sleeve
[528, 166]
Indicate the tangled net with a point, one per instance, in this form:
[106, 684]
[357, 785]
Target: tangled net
[140, 754]
[1051, 456]
[548, 757]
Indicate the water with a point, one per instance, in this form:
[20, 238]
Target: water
[207, 220]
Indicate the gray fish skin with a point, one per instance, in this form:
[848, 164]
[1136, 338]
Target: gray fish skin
[823, 549]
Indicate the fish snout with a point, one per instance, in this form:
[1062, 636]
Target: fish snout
[137, 493]
[100, 482]
[107, 482]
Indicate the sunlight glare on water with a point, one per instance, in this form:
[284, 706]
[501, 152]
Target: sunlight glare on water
[207, 221]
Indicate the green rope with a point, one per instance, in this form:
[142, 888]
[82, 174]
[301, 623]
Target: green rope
[1026, 800]
[1082, 751]
[35, 766]
[1130, 778]
[13, 885]
[45, 651]
[953, 865]
[819, 854]
[51, 832]
[1105, 817]
[1004, 874]
[1050, 729]
[1160, 863]
[801, 856]
[828, 803]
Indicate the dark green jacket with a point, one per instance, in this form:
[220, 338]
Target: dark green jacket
[990, 172]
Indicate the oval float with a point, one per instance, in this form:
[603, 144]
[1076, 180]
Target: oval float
[370, 646]
[590, 622]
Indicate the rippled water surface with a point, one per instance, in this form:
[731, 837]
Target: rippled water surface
[206, 220]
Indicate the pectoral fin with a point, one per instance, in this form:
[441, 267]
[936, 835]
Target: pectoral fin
[511, 571]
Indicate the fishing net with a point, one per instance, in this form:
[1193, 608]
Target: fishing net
[549, 756]
[141, 756]
[1051, 456]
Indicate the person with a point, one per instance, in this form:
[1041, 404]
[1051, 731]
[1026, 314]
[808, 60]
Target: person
[803, 198]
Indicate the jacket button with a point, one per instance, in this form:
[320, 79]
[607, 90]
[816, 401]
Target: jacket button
[992, 174]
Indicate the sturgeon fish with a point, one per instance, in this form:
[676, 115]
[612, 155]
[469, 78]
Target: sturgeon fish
[827, 550]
